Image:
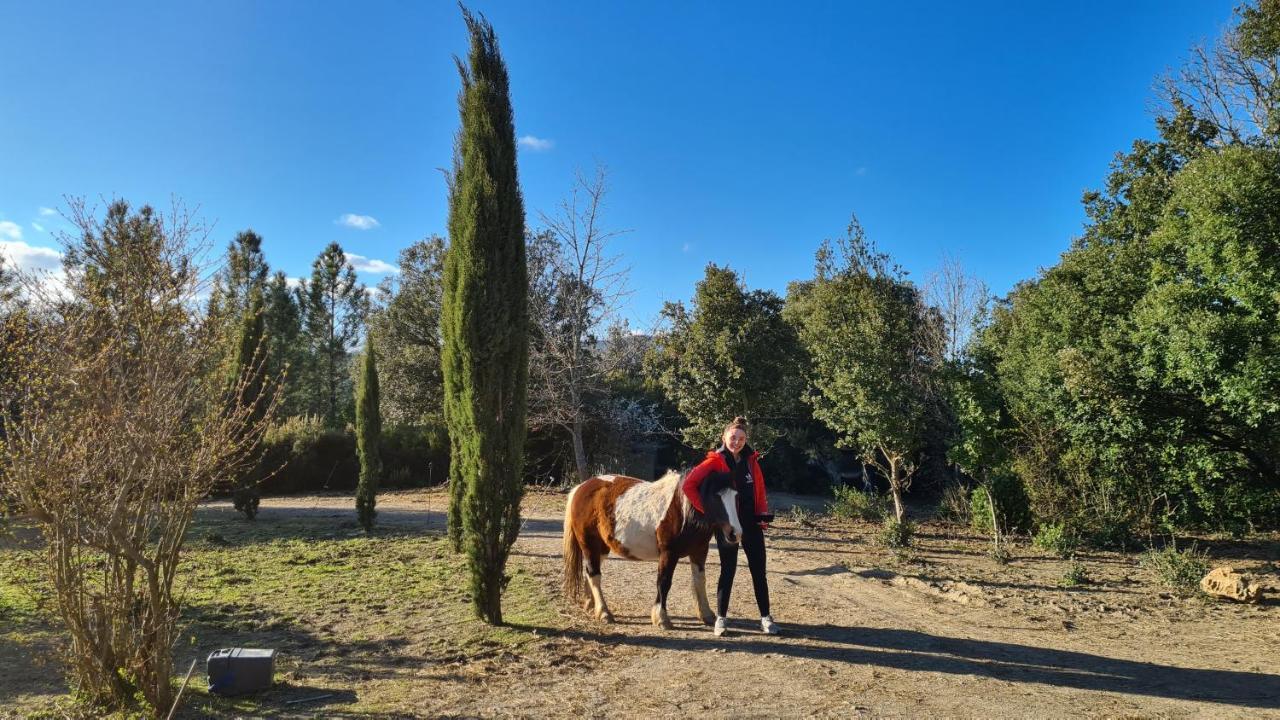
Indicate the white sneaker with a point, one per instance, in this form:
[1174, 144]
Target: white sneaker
[768, 625]
[720, 626]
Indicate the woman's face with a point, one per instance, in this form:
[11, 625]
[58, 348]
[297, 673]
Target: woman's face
[735, 439]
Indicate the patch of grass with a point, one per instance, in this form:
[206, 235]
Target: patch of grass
[1076, 575]
[340, 606]
[853, 504]
[1178, 570]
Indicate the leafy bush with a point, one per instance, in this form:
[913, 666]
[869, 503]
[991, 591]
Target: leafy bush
[1012, 509]
[897, 533]
[301, 455]
[852, 504]
[1057, 539]
[1076, 574]
[1178, 570]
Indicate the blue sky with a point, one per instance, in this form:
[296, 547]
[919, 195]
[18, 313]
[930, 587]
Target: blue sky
[741, 133]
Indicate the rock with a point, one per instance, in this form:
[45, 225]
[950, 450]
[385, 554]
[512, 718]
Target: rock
[1226, 582]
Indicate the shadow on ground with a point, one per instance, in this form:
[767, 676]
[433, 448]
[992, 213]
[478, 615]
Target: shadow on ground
[1009, 662]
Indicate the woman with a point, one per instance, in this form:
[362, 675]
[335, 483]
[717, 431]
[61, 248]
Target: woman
[736, 459]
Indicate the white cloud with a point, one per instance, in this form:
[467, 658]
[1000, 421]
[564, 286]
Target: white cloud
[47, 212]
[369, 265]
[537, 144]
[359, 222]
[685, 248]
[293, 282]
[10, 231]
[42, 264]
[37, 227]
[29, 257]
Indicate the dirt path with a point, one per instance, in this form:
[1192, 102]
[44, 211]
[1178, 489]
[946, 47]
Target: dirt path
[944, 633]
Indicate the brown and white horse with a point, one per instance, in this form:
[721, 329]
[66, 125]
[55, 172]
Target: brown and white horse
[640, 520]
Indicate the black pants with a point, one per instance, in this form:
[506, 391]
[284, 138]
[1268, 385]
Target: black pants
[753, 545]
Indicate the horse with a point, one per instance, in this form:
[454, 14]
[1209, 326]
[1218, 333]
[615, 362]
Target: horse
[639, 520]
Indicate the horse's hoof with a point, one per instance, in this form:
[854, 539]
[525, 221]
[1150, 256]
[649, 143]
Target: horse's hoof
[666, 624]
[605, 616]
[708, 620]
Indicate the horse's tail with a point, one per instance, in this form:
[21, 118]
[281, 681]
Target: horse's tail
[573, 572]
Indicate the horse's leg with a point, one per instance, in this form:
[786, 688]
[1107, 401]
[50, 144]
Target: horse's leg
[698, 561]
[666, 570]
[595, 559]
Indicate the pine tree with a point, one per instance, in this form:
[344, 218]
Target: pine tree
[484, 322]
[244, 272]
[334, 308]
[368, 435]
[286, 355]
[248, 386]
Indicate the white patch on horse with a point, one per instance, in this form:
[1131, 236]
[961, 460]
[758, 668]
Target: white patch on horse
[637, 514]
[607, 478]
[730, 499]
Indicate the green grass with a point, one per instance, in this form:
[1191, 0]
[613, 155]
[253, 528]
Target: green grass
[340, 606]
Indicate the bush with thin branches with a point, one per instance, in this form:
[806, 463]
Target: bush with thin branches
[116, 436]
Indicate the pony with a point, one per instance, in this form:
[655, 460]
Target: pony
[639, 520]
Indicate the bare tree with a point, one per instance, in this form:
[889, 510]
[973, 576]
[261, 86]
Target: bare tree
[576, 288]
[961, 299]
[1234, 84]
[119, 434]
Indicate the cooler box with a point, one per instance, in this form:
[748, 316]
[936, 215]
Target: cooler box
[233, 671]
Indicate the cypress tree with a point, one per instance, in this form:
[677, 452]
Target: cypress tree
[484, 323]
[368, 435]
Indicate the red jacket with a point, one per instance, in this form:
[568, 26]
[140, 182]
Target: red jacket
[715, 463]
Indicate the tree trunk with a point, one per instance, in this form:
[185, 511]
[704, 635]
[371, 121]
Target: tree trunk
[895, 485]
[579, 452]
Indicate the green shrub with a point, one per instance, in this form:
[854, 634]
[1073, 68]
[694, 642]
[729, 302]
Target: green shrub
[954, 504]
[1012, 509]
[1178, 570]
[1076, 574]
[1057, 539]
[416, 455]
[896, 533]
[301, 455]
[853, 504]
[802, 516]
[1110, 532]
[1000, 553]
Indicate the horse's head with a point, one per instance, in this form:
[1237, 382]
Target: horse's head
[720, 503]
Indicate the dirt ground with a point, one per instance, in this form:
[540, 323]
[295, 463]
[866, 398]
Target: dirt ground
[943, 632]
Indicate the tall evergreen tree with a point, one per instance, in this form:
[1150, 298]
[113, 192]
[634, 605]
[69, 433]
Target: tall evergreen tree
[244, 271]
[368, 435]
[485, 322]
[406, 332]
[248, 386]
[334, 309]
[286, 354]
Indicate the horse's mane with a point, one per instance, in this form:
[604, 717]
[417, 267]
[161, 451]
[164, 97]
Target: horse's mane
[689, 517]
